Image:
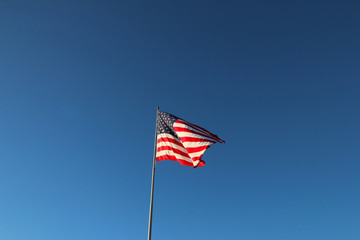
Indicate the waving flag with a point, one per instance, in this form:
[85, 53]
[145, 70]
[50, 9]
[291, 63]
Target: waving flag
[181, 141]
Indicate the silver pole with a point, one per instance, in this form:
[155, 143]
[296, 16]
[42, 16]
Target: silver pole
[153, 178]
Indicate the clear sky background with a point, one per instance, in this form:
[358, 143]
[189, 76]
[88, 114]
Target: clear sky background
[79, 86]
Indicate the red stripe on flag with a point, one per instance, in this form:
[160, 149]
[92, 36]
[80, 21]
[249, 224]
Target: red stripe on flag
[195, 126]
[197, 149]
[193, 139]
[173, 150]
[200, 129]
[197, 158]
[179, 129]
[181, 161]
[170, 140]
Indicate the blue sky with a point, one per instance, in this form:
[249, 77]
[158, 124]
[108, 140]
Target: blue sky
[79, 86]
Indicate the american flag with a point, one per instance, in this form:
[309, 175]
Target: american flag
[181, 141]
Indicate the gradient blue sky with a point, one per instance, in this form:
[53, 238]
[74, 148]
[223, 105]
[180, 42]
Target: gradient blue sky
[79, 86]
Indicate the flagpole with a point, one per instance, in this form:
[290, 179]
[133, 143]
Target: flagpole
[153, 178]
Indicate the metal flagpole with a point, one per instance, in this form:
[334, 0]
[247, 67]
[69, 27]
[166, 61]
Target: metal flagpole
[153, 178]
